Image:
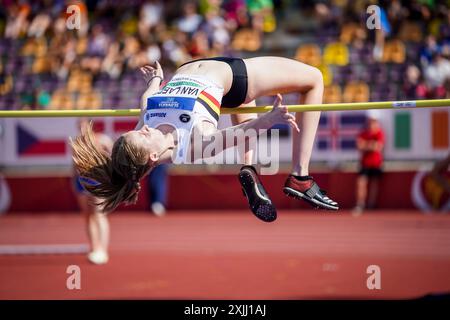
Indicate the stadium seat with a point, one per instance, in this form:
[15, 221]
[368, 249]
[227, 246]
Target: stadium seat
[332, 94]
[62, 99]
[89, 100]
[410, 31]
[327, 74]
[350, 31]
[356, 91]
[394, 51]
[378, 73]
[336, 54]
[309, 54]
[247, 40]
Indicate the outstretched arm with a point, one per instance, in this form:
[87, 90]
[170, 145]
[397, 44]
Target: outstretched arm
[278, 115]
[153, 78]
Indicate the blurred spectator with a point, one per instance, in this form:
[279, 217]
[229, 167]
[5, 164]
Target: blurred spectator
[431, 47]
[157, 190]
[380, 35]
[150, 16]
[39, 25]
[262, 15]
[370, 143]
[17, 23]
[28, 100]
[414, 87]
[190, 21]
[112, 65]
[115, 37]
[236, 13]
[6, 82]
[43, 99]
[436, 74]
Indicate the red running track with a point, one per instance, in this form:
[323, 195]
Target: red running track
[232, 255]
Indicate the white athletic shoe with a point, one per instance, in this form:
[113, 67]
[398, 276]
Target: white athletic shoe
[158, 209]
[98, 257]
[357, 211]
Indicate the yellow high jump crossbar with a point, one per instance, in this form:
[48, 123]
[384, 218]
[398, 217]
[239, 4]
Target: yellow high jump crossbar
[291, 108]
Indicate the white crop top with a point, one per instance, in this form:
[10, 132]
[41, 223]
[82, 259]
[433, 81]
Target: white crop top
[182, 103]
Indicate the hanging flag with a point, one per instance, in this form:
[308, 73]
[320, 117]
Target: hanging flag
[338, 131]
[30, 144]
[402, 130]
[440, 129]
[98, 125]
[121, 126]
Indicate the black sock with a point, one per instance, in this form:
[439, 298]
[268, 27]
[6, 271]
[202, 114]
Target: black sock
[248, 167]
[303, 178]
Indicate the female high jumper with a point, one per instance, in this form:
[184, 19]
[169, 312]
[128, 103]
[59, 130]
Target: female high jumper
[191, 101]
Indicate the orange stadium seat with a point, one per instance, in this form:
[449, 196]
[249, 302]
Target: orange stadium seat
[332, 94]
[410, 31]
[356, 91]
[89, 100]
[309, 54]
[351, 31]
[394, 51]
[41, 65]
[247, 40]
[61, 99]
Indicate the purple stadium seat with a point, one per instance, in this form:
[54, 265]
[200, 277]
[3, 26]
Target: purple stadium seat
[379, 73]
[395, 74]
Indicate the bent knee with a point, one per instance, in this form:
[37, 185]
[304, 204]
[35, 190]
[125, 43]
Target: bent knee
[309, 77]
[316, 76]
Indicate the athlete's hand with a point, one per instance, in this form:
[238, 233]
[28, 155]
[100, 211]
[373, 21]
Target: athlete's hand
[280, 114]
[149, 72]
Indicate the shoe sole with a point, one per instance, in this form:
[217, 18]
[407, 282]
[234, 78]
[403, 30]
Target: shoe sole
[298, 195]
[265, 211]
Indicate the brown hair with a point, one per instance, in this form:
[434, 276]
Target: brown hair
[115, 178]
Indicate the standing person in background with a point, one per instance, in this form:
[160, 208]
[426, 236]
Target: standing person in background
[157, 190]
[370, 143]
[97, 225]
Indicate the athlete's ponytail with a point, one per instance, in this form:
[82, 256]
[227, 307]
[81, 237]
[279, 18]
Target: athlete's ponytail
[115, 177]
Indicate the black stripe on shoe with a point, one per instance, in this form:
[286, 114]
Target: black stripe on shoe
[314, 197]
[258, 199]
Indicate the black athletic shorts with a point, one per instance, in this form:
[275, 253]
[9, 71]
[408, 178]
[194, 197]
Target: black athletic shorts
[238, 91]
[371, 172]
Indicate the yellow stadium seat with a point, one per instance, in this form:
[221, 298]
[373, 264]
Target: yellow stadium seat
[269, 23]
[336, 54]
[327, 74]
